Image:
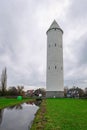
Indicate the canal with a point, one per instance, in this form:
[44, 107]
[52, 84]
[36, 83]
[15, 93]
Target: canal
[19, 117]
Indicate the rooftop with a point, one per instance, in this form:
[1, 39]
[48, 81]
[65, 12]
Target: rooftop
[54, 25]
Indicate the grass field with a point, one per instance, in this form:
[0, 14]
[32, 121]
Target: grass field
[5, 102]
[61, 114]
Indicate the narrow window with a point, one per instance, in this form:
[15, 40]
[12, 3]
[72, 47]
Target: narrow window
[49, 45]
[49, 67]
[55, 44]
[61, 68]
[55, 67]
[55, 29]
[60, 46]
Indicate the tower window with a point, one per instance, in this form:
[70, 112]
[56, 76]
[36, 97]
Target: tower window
[55, 66]
[49, 45]
[55, 44]
[49, 67]
[55, 29]
[60, 46]
[61, 68]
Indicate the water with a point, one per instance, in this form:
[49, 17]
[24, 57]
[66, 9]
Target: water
[18, 117]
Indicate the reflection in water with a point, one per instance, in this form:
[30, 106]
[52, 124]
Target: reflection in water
[19, 106]
[36, 102]
[1, 115]
[29, 126]
[18, 117]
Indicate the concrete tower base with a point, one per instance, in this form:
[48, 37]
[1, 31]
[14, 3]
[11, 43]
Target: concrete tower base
[52, 94]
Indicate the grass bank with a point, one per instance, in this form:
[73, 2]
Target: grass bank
[40, 120]
[6, 102]
[61, 114]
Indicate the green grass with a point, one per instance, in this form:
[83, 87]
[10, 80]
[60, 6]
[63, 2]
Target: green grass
[6, 102]
[39, 121]
[62, 114]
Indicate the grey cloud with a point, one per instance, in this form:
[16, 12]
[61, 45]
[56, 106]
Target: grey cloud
[82, 50]
[75, 43]
[23, 25]
[18, 43]
[77, 67]
[78, 9]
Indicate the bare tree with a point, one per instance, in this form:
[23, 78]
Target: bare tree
[86, 90]
[12, 91]
[40, 91]
[65, 91]
[20, 90]
[4, 81]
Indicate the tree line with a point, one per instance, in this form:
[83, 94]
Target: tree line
[11, 91]
[19, 90]
[75, 92]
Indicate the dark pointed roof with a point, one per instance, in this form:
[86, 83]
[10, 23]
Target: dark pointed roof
[54, 25]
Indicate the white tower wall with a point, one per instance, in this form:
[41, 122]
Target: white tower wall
[54, 77]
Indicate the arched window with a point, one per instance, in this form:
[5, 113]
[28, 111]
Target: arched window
[55, 44]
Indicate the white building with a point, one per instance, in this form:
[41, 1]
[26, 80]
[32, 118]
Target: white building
[54, 74]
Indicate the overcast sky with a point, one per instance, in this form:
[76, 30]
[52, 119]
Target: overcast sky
[23, 26]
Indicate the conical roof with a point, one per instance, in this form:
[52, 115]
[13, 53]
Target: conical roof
[54, 25]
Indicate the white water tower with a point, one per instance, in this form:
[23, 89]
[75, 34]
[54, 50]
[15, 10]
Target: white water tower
[54, 74]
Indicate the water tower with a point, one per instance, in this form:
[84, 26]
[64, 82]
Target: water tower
[54, 73]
